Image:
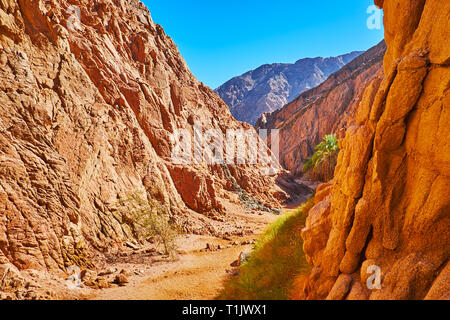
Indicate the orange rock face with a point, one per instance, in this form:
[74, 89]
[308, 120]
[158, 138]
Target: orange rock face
[386, 217]
[323, 110]
[89, 97]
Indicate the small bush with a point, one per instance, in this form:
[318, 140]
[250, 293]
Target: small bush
[276, 261]
[320, 167]
[150, 220]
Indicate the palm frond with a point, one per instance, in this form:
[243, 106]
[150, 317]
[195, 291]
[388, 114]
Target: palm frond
[322, 163]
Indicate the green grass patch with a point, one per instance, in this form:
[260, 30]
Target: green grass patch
[277, 259]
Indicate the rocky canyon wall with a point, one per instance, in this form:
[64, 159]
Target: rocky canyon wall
[328, 108]
[90, 93]
[388, 207]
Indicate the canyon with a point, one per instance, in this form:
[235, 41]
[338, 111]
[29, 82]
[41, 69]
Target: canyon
[91, 95]
[89, 99]
[328, 108]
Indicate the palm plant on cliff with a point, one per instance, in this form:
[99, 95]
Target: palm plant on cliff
[320, 167]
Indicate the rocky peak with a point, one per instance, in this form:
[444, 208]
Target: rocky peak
[271, 86]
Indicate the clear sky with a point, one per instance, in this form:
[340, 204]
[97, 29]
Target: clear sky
[221, 39]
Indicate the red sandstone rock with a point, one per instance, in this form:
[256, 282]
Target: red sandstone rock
[328, 108]
[87, 109]
[390, 203]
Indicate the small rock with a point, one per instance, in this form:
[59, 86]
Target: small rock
[211, 247]
[5, 296]
[125, 273]
[132, 245]
[243, 257]
[213, 230]
[121, 280]
[88, 275]
[32, 295]
[19, 295]
[102, 283]
[30, 285]
[107, 272]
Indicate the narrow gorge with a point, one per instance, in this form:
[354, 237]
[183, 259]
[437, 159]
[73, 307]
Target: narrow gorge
[92, 96]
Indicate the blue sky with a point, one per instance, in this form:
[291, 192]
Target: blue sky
[223, 39]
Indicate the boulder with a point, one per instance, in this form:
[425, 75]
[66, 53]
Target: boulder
[244, 256]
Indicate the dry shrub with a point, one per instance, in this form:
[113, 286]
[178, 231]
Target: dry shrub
[149, 220]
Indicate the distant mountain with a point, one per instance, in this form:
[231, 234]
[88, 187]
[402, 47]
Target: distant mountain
[325, 109]
[272, 86]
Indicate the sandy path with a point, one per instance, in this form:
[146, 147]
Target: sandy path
[196, 276]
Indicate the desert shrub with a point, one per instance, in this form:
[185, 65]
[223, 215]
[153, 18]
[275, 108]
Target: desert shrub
[150, 220]
[276, 261]
[320, 167]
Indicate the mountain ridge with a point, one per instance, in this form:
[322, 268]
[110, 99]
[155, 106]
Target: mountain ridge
[271, 86]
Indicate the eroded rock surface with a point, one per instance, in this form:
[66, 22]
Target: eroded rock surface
[389, 204]
[90, 94]
[323, 110]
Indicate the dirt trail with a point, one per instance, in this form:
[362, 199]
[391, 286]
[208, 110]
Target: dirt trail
[196, 274]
